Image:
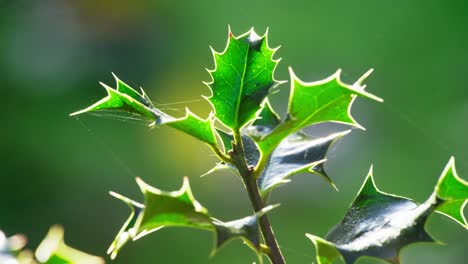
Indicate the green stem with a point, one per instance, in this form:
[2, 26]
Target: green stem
[220, 154]
[246, 172]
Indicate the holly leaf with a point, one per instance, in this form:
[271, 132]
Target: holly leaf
[246, 229]
[328, 100]
[127, 231]
[379, 225]
[242, 78]
[180, 209]
[126, 99]
[53, 250]
[298, 153]
[177, 208]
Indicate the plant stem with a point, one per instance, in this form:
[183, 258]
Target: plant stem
[246, 172]
[220, 154]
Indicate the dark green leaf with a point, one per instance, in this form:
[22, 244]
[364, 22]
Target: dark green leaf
[245, 228]
[379, 225]
[124, 98]
[298, 153]
[242, 78]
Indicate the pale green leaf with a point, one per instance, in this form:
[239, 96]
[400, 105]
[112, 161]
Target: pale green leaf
[126, 99]
[328, 100]
[180, 209]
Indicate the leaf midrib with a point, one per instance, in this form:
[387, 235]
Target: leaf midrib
[241, 88]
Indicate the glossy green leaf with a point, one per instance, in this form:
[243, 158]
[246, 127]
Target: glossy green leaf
[328, 100]
[298, 153]
[379, 225]
[180, 209]
[124, 98]
[53, 250]
[242, 78]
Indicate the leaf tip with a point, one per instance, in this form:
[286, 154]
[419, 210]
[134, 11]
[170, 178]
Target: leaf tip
[213, 51]
[364, 76]
[293, 77]
[185, 183]
[114, 194]
[77, 113]
[334, 186]
[115, 77]
[310, 236]
[369, 183]
[451, 164]
[358, 126]
[267, 209]
[337, 74]
[143, 185]
[230, 35]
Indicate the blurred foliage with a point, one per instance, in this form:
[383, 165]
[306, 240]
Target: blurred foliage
[59, 169]
[52, 250]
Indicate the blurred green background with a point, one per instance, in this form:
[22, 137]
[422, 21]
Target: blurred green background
[58, 169]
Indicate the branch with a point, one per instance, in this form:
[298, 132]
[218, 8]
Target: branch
[246, 172]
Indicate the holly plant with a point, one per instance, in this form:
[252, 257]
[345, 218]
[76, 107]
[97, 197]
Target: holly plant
[264, 150]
